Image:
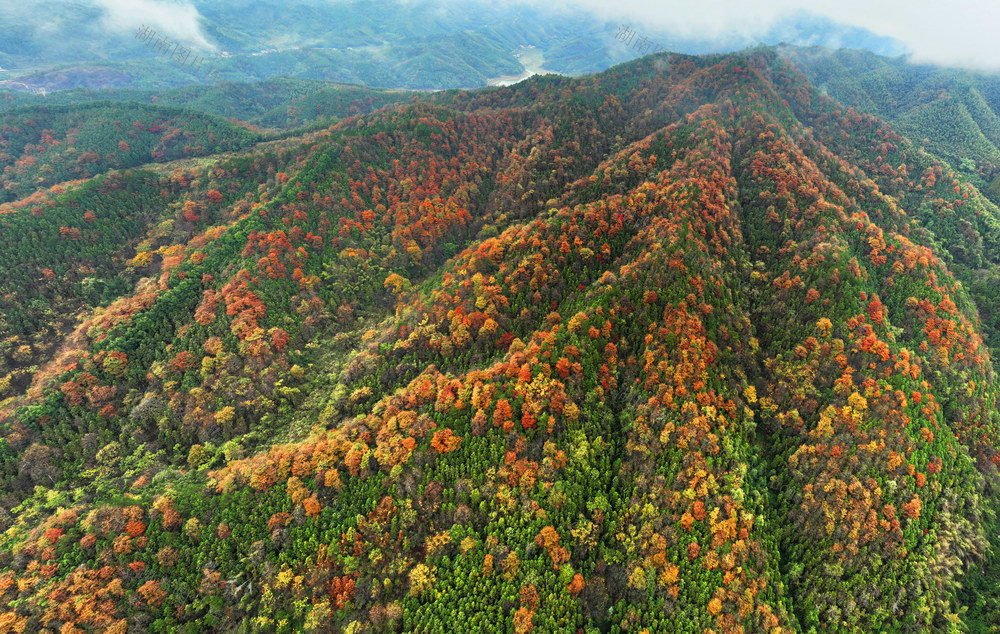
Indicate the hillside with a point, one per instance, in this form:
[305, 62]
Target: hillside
[279, 103]
[44, 145]
[952, 113]
[681, 346]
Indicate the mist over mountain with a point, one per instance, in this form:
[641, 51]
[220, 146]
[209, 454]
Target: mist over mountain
[389, 43]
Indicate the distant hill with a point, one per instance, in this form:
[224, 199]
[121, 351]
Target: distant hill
[278, 103]
[44, 145]
[385, 44]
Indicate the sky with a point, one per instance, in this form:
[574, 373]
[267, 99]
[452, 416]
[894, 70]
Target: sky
[958, 33]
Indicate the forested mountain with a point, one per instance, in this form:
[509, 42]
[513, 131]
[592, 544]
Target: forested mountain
[953, 113]
[43, 145]
[281, 103]
[682, 346]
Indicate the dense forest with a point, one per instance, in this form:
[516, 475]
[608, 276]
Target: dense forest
[951, 112]
[280, 103]
[682, 346]
[44, 145]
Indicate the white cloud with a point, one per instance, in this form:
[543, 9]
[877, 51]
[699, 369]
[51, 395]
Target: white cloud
[176, 20]
[961, 33]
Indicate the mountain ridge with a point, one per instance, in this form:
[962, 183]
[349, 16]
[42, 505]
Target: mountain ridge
[677, 346]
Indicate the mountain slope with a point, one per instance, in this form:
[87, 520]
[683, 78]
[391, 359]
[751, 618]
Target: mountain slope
[952, 112]
[38, 145]
[679, 346]
[281, 102]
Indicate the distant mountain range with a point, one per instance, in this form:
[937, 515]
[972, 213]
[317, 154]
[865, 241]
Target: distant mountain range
[387, 43]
